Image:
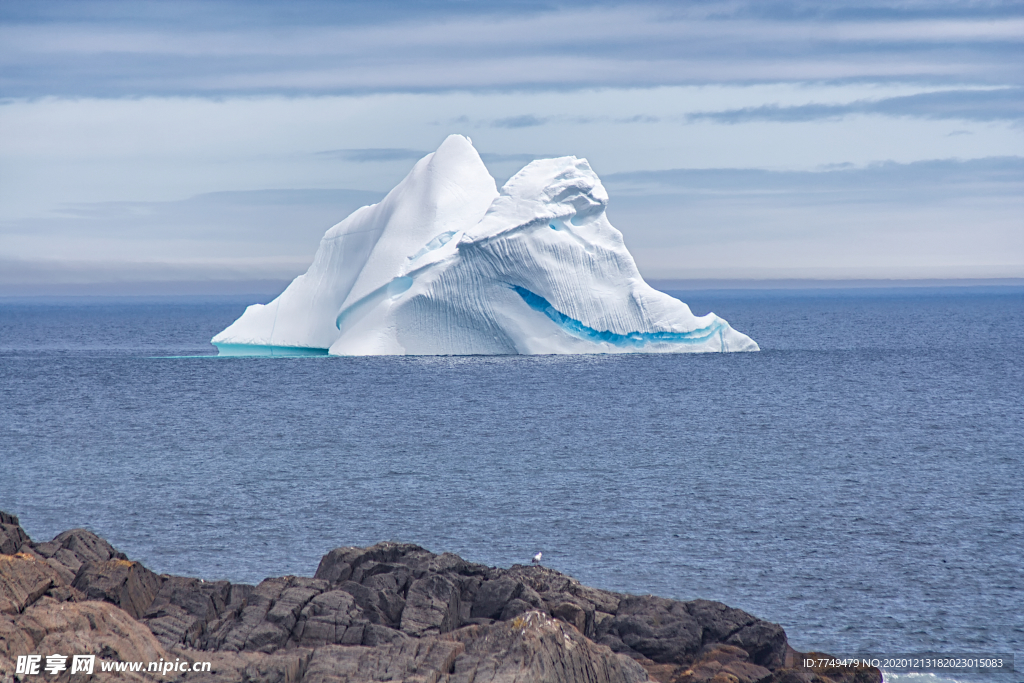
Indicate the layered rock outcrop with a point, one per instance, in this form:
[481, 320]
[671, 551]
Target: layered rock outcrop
[392, 612]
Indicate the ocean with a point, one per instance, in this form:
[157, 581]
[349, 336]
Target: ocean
[860, 480]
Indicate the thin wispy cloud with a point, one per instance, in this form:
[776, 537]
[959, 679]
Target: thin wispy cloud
[974, 104]
[941, 218]
[391, 154]
[271, 225]
[1002, 176]
[365, 155]
[522, 121]
[1005, 104]
[495, 158]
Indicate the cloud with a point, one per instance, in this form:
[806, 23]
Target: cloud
[964, 105]
[639, 118]
[522, 121]
[494, 158]
[881, 220]
[214, 206]
[364, 155]
[66, 271]
[71, 277]
[221, 47]
[879, 182]
[533, 121]
[931, 219]
[249, 227]
[386, 154]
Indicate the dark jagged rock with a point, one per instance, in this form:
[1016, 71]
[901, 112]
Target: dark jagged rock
[71, 550]
[126, 584]
[410, 659]
[535, 647]
[849, 674]
[264, 619]
[23, 580]
[183, 607]
[722, 662]
[388, 612]
[77, 547]
[382, 604]
[431, 606]
[12, 536]
[504, 598]
[667, 631]
[332, 617]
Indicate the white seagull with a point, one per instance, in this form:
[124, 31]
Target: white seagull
[536, 558]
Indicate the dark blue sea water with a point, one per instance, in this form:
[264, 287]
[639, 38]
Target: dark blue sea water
[860, 480]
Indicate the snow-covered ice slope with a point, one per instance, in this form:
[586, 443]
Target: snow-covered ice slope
[447, 265]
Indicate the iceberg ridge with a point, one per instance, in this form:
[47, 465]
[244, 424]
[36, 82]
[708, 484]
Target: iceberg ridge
[448, 265]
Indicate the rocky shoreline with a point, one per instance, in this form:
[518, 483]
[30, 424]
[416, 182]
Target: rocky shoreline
[391, 612]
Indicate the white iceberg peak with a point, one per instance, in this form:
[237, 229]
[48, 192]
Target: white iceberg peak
[446, 264]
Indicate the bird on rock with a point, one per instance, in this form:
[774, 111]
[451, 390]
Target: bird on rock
[536, 558]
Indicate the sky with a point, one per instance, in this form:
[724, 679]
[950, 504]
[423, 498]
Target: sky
[208, 145]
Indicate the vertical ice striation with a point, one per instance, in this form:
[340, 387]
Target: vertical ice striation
[447, 265]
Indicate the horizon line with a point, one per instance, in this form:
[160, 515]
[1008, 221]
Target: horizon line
[273, 287]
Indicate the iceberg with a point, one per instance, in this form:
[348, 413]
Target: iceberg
[446, 264]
